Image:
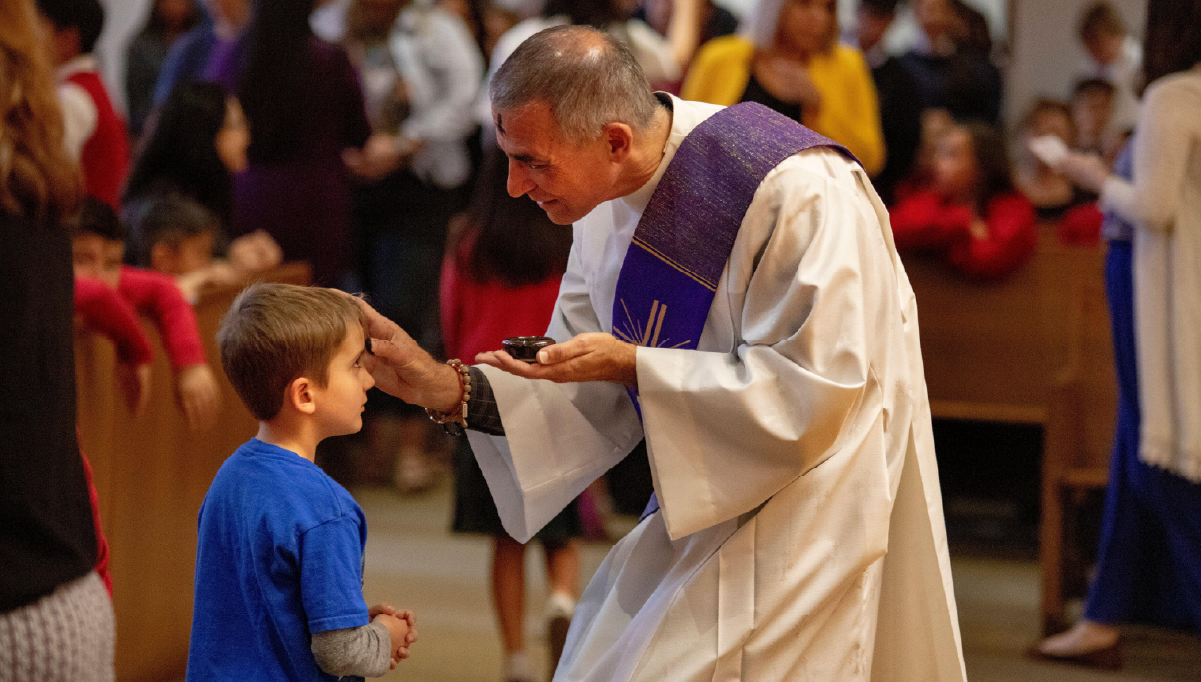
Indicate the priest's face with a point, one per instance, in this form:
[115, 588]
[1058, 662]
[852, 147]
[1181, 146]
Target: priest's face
[567, 180]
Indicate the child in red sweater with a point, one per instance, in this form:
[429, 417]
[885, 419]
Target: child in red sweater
[971, 211]
[98, 243]
[93, 130]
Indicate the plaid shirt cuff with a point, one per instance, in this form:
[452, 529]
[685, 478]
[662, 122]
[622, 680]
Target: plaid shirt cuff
[482, 412]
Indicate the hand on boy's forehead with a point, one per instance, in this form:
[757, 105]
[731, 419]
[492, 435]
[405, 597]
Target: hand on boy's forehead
[95, 256]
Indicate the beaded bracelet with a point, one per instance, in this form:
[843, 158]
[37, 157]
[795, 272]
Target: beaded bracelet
[459, 416]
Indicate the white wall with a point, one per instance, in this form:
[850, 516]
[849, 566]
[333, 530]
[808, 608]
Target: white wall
[1047, 51]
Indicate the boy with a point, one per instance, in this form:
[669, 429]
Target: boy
[1112, 55]
[97, 246]
[178, 236]
[93, 131]
[280, 553]
[1092, 112]
[174, 235]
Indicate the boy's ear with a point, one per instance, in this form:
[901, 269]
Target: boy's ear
[300, 395]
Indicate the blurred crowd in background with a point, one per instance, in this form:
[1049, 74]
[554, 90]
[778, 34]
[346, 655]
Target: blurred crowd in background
[356, 135]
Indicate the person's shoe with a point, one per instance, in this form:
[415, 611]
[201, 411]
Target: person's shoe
[1091, 644]
[559, 609]
[518, 668]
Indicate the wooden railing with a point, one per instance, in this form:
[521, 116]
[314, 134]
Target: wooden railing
[151, 474]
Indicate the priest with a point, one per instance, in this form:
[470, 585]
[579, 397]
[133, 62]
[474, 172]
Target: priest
[734, 298]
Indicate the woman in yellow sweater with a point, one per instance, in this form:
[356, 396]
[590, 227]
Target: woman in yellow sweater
[792, 62]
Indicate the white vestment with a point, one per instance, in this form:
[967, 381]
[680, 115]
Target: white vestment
[800, 535]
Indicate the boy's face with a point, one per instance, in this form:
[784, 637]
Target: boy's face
[1092, 111]
[340, 404]
[191, 254]
[95, 256]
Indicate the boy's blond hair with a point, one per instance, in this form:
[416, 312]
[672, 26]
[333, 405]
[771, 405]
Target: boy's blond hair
[275, 333]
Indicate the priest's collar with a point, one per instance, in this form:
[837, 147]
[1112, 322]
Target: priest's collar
[638, 199]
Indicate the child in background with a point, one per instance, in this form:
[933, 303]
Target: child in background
[98, 245]
[101, 309]
[92, 130]
[195, 144]
[971, 211]
[1092, 112]
[1112, 55]
[1050, 192]
[501, 280]
[178, 237]
[1054, 196]
[279, 561]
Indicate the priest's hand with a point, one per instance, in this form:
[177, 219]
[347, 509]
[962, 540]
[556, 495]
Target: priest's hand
[402, 368]
[587, 357]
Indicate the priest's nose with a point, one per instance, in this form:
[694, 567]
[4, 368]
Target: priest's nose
[519, 179]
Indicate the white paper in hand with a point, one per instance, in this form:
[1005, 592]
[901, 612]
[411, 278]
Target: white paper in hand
[1049, 149]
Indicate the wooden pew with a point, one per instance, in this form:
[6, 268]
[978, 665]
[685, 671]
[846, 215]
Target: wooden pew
[1078, 437]
[1034, 348]
[151, 474]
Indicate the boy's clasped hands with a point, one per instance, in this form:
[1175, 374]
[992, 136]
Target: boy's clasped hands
[401, 626]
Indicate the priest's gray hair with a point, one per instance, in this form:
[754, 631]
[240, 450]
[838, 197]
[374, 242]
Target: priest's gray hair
[588, 78]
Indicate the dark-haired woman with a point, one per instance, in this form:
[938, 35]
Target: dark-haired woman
[1149, 559]
[56, 619]
[502, 280]
[168, 20]
[304, 106]
[971, 212]
[196, 144]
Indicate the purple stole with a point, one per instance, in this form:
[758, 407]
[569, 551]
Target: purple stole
[681, 245]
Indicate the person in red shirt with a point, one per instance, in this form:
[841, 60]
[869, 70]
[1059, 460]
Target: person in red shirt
[970, 212]
[101, 309]
[97, 245]
[93, 131]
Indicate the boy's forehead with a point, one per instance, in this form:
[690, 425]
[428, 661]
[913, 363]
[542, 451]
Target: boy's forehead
[355, 334]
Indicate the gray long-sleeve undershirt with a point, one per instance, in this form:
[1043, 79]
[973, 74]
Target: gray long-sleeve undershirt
[365, 650]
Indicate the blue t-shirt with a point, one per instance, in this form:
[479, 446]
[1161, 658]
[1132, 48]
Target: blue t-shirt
[280, 556]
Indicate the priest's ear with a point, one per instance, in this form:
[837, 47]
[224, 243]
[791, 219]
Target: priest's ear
[619, 140]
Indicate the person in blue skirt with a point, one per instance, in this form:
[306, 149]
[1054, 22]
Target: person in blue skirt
[1149, 562]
